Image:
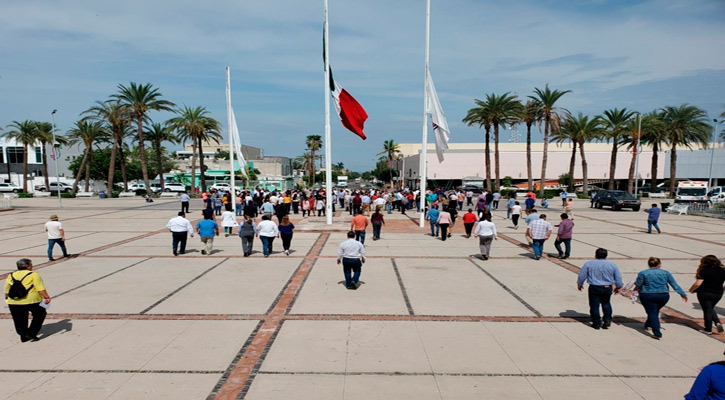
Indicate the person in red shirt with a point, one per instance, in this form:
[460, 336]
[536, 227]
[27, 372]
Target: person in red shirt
[378, 221]
[469, 220]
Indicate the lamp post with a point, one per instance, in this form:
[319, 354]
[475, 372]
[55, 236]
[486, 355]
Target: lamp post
[637, 151]
[712, 153]
[55, 159]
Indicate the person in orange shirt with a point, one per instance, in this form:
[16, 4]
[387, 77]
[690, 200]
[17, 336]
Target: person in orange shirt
[469, 220]
[358, 225]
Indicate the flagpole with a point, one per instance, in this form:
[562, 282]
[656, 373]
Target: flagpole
[229, 130]
[424, 141]
[328, 143]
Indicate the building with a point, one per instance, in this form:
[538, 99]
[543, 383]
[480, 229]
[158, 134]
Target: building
[695, 165]
[11, 161]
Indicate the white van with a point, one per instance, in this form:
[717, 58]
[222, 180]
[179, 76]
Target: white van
[691, 192]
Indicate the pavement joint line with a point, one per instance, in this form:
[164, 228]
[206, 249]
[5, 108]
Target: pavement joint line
[102, 277]
[109, 371]
[619, 235]
[11, 253]
[508, 290]
[235, 361]
[408, 305]
[481, 374]
[182, 287]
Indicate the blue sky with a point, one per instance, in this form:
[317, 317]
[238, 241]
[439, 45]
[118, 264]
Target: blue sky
[636, 54]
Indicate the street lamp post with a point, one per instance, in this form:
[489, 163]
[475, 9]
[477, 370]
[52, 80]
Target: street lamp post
[637, 149]
[712, 153]
[55, 159]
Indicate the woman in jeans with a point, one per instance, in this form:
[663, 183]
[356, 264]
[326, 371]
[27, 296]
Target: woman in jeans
[654, 293]
[286, 229]
[378, 222]
[710, 277]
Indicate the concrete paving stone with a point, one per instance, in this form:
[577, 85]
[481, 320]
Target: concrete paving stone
[166, 386]
[591, 388]
[628, 247]
[309, 346]
[78, 244]
[237, 286]
[72, 273]
[71, 386]
[324, 294]
[445, 287]
[304, 387]
[485, 388]
[380, 346]
[688, 247]
[660, 388]
[13, 382]
[384, 387]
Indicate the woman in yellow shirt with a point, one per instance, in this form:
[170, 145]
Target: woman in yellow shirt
[19, 308]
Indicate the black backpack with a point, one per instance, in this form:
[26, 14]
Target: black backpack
[17, 289]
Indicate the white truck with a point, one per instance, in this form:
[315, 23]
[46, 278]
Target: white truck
[342, 181]
[691, 192]
[716, 195]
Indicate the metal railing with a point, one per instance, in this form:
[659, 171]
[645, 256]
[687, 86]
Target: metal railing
[706, 210]
[5, 202]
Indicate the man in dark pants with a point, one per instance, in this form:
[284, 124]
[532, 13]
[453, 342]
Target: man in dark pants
[31, 303]
[179, 226]
[185, 199]
[603, 277]
[351, 254]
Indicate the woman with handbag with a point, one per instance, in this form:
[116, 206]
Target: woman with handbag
[708, 286]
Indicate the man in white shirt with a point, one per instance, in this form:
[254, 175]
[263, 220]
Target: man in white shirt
[179, 226]
[379, 203]
[185, 199]
[56, 234]
[351, 254]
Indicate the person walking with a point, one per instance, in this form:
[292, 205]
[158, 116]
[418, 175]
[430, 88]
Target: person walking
[563, 235]
[207, 228]
[652, 218]
[378, 221]
[486, 234]
[510, 203]
[32, 298]
[564, 196]
[539, 231]
[469, 198]
[444, 221]
[516, 214]
[218, 203]
[366, 201]
[454, 215]
[268, 208]
[247, 231]
[185, 199]
[529, 202]
[432, 216]
[654, 294]
[229, 221]
[461, 199]
[708, 285]
[469, 220]
[604, 279]
[238, 201]
[358, 225]
[709, 384]
[351, 254]
[286, 230]
[496, 198]
[56, 234]
[179, 227]
[267, 231]
[569, 207]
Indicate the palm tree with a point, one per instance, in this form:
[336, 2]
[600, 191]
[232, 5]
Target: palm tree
[568, 133]
[338, 167]
[481, 117]
[530, 114]
[45, 135]
[25, 133]
[194, 125]
[306, 162]
[115, 116]
[684, 125]
[650, 133]
[580, 130]
[616, 124]
[138, 101]
[156, 134]
[313, 143]
[551, 118]
[88, 133]
[390, 152]
[502, 110]
[654, 135]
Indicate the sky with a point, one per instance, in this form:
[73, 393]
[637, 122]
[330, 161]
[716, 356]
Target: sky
[638, 54]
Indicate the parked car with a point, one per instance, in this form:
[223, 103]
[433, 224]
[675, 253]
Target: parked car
[64, 187]
[222, 187]
[136, 186]
[10, 188]
[174, 187]
[617, 199]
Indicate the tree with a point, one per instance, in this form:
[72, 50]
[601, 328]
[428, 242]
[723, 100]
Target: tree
[530, 114]
[390, 153]
[650, 133]
[684, 126]
[138, 100]
[502, 110]
[87, 133]
[45, 135]
[313, 143]
[338, 167]
[480, 116]
[156, 134]
[580, 130]
[25, 133]
[551, 118]
[194, 125]
[653, 134]
[616, 122]
[115, 116]
[306, 162]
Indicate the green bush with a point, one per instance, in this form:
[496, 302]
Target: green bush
[68, 195]
[23, 195]
[140, 192]
[115, 194]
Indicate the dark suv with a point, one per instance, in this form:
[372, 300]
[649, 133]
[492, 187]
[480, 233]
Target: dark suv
[617, 199]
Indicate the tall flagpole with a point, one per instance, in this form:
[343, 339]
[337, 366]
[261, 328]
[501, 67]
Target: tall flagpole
[328, 143]
[424, 141]
[230, 130]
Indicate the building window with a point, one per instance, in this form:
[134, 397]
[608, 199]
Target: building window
[15, 154]
[38, 155]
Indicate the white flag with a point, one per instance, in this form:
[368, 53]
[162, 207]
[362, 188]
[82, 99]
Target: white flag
[438, 118]
[237, 145]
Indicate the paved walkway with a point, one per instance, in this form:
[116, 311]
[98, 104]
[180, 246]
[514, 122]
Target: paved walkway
[431, 321]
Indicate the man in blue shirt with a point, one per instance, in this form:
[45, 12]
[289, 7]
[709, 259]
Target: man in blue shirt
[529, 202]
[603, 277]
[654, 216]
[207, 229]
[432, 216]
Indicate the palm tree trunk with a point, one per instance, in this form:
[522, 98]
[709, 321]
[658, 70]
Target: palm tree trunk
[88, 168]
[585, 182]
[25, 170]
[45, 167]
[142, 151]
[193, 165]
[112, 164]
[312, 169]
[80, 171]
[122, 155]
[488, 157]
[528, 158]
[653, 170]
[673, 169]
[613, 164]
[545, 155]
[495, 157]
[572, 164]
[159, 167]
[630, 176]
[201, 166]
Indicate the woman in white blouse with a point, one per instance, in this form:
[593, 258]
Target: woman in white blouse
[486, 233]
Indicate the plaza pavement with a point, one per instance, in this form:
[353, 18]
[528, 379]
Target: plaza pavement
[431, 320]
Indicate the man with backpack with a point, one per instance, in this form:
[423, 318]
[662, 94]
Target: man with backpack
[25, 293]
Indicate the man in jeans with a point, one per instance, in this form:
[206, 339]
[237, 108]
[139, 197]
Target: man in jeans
[56, 234]
[351, 254]
[358, 225]
[604, 278]
[563, 235]
[654, 216]
[539, 231]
